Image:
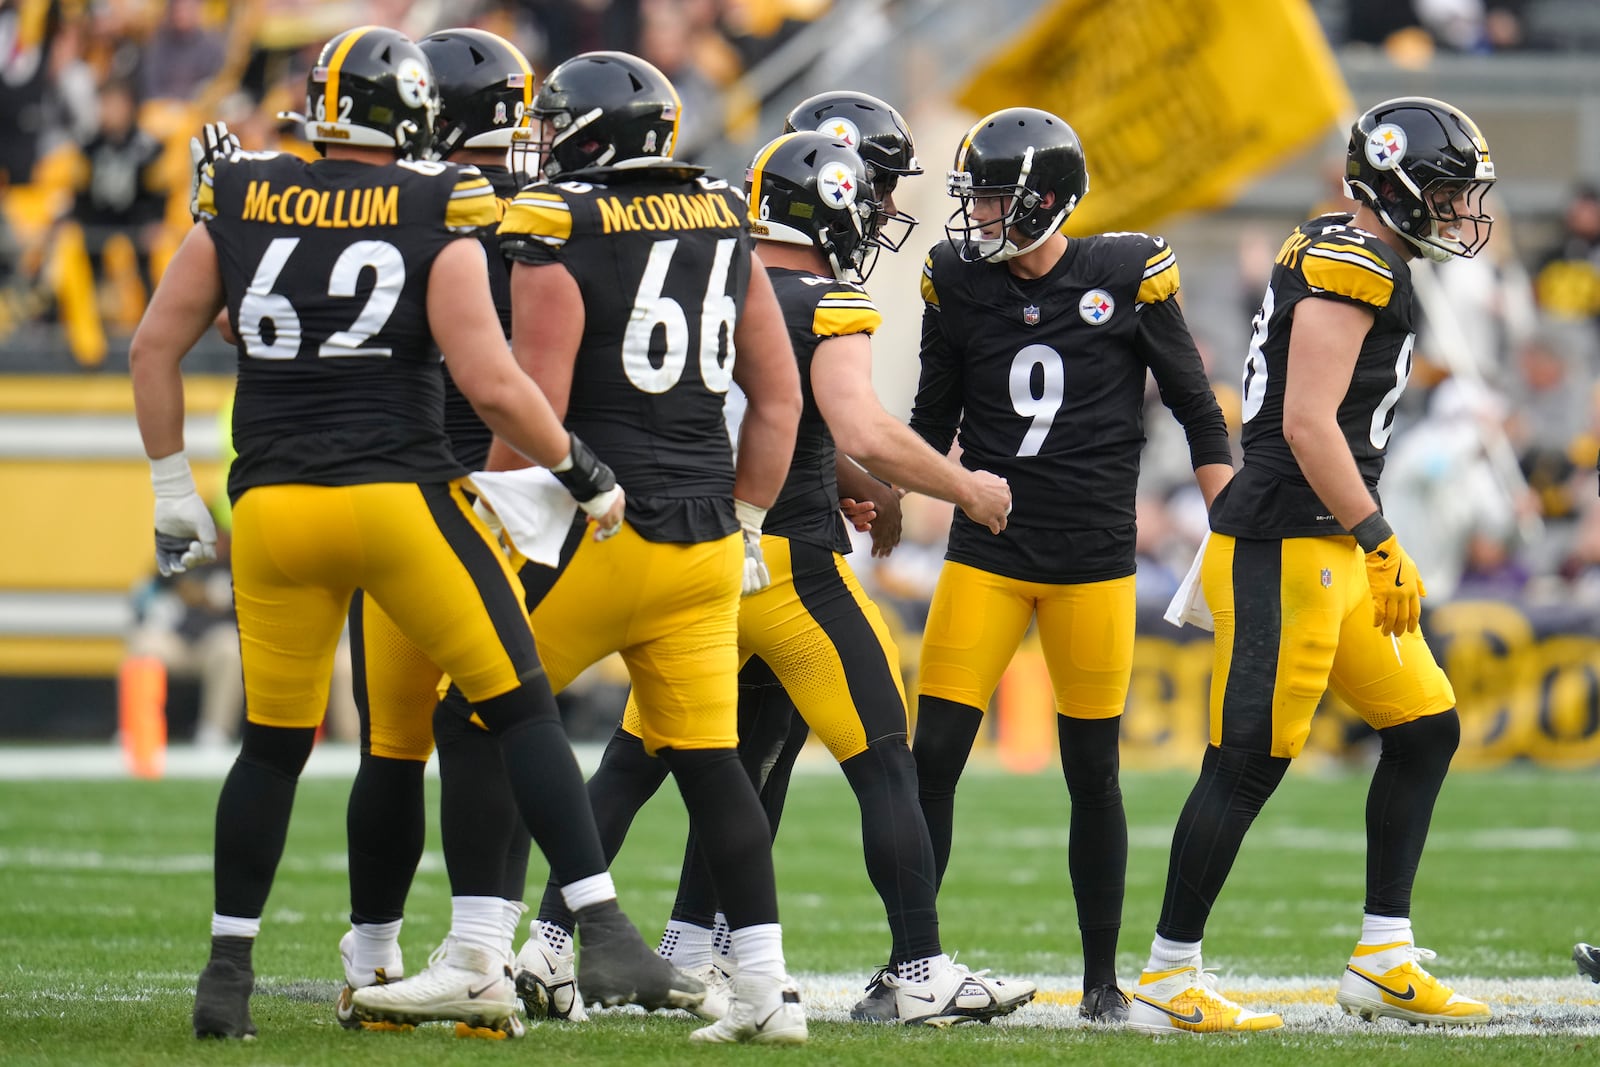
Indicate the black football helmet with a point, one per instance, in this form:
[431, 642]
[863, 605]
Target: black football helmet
[1023, 155]
[485, 90]
[809, 189]
[1423, 167]
[876, 130]
[605, 109]
[371, 86]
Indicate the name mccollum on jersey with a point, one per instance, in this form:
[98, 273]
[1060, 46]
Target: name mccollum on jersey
[325, 209]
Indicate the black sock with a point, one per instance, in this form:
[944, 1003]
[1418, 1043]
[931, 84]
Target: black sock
[1232, 788]
[1411, 769]
[1097, 847]
[733, 831]
[385, 825]
[895, 840]
[545, 779]
[945, 732]
[623, 783]
[253, 812]
[478, 816]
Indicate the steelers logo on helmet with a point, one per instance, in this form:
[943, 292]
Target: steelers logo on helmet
[842, 130]
[1386, 146]
[1096, 307]
[836, 185]
[411, 79]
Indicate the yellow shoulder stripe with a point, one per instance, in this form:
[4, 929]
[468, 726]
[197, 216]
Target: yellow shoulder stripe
[472, 206]
[1344, 274]
[929, 293]
[1356, 250]
[844, 313]
[1160, 279]
[543, 216]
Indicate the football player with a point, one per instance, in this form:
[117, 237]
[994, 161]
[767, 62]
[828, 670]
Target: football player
[485, 88]
[771, 735]
[336, 276]
[1307, 584]
[1035, 348]
[634, 280]
[815, 222]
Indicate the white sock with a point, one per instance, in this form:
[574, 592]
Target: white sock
[233, 926]
[722, 939]
[1170, 955]
[919, 970]
[557, 937]
[1385, 930]
[760, 950]
[688, 946]
[375, 945]
[595, 889]
[478, 921]
[512, 922]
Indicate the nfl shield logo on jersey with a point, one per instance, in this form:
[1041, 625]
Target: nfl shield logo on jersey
[1327, 578]
[1030, 314]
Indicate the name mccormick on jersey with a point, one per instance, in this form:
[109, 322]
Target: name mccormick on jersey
[1326, 258]
[662, 256]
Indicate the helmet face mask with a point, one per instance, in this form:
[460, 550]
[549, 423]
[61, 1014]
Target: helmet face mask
[1018, 174]
[1424, 169]
[485, 88]
[808, 189]
[881, 137]
[603, 109]
[372, 87]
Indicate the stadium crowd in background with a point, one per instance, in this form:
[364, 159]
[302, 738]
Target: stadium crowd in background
[98, 101]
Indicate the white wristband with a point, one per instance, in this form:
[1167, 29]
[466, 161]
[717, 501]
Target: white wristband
[750, 516]
[170, 476]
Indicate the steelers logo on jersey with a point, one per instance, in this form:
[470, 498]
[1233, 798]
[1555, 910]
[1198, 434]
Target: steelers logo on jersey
[842, 130]
[1386, 147]
[411, 79]
[1096, 307]
[836, 186]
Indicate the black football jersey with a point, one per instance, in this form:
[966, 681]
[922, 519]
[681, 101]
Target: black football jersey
[1329, 259]
[1044, 379]
[662, 257]
[815, 309]
[325, 270]
[469, 435]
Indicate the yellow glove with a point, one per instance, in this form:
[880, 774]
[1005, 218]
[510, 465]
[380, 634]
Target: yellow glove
[1397, 588]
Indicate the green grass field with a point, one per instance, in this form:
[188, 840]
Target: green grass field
[105, 896]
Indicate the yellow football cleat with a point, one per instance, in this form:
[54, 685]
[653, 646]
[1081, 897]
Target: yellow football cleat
[1187, 1001]
[1386, 981]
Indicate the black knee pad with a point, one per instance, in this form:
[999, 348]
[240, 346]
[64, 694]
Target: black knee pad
[281, 750]
[1432, 737]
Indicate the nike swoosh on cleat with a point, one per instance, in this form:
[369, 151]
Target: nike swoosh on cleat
[1409, 994]
[474, 994]
[929, 999]
[1195, 1017]
[762, 1025]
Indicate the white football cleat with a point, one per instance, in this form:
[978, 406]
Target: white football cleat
[719, 991]
[952, 994]
[392, 971]
[462, 983]
[547, 982]
[762, 1011]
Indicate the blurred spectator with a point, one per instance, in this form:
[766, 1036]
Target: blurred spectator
[1492, 571]
[668, 38]
[1159, 568]
[1568, 277]
[187, 622]
[1549, 393]
[564, 28]
[1439, 488]
[907, 576]
[182, 55]
[120, 190]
